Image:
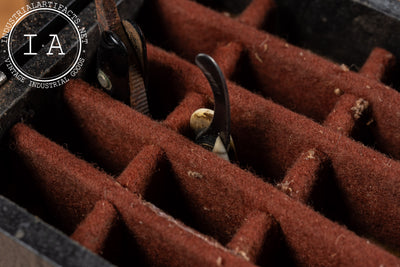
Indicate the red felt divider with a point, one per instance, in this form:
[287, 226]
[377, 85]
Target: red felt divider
[305, 192]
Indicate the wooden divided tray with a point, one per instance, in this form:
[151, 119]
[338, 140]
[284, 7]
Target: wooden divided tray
[317, 182]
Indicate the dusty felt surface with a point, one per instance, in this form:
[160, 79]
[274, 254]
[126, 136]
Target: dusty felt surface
[74, 181]
[283, 72]
[271, 152]
[278, 152]
[227, 57]
[341, 117]
[139, 172]
[178, 120]
[93, 231]
[257, 232]
[378, 65]
[220, 194]
[257, 13]
[222, 198]
[301, 178]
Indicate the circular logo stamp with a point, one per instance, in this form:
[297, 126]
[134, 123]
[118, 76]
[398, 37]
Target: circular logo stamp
[44, 33]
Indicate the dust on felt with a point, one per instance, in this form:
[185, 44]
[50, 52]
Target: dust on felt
[264, 47]
[338, 92]
[359, 108]
[194, 174]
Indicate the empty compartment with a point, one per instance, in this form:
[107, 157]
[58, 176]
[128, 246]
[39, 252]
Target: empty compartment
[166, 87]
[20, 185]
[276, 252]
[328, 198]
[166, 192]
[231, 8]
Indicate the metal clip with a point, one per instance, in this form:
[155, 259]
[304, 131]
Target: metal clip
[121, 57]
[213, 127]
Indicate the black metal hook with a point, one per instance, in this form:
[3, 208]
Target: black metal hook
[220, 124]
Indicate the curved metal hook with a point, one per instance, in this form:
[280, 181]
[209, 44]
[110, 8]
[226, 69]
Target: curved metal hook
[220, 125]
